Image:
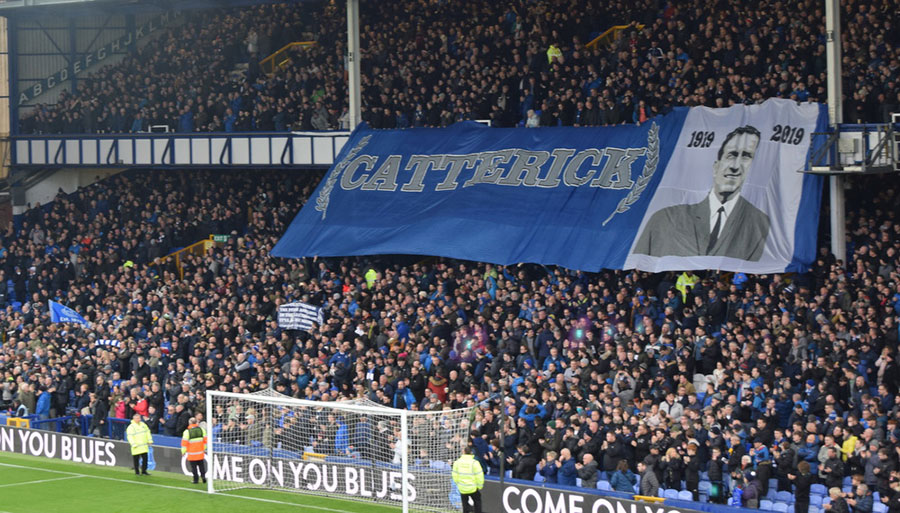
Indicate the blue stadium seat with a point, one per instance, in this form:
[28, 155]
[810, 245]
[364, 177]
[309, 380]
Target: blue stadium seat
[826, 500]
[685, 495]
[670, 494]
[604, 485]
[766, 505]
[538, 478]
[879, 507]
[771, 494]
[773, 483]
[790, 508]
[785, 497]
[704, 487]
[578, 482]
[818, 489]
[847, 488]
[815, 500]
[780, 507]
[848, 481]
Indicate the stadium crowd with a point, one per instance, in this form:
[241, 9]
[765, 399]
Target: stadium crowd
[739, 378]
[519, 63]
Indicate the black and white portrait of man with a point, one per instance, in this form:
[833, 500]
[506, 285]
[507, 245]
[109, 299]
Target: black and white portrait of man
[724, 223]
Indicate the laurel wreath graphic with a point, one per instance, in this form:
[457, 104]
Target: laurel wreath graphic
[325, 194]
[647, 174]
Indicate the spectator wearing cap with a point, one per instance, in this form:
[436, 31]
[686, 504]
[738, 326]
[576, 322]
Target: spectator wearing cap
[870, 461]
[751, 490]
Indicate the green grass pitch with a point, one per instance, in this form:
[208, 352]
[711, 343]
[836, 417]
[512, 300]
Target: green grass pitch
[37, 485]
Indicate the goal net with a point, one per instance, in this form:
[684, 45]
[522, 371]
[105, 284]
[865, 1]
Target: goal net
[355, 449]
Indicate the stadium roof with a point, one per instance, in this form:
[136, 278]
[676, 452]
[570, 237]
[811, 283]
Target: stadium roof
[75, 8]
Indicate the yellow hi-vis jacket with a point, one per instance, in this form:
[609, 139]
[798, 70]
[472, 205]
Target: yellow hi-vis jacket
[467, 474]
[139, 436]
[193, 442]
[685, 283]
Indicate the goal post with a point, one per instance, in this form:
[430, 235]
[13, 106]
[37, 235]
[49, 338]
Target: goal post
[356, 449]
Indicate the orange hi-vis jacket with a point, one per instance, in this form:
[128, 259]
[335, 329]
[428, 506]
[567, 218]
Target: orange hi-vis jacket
[193, 442]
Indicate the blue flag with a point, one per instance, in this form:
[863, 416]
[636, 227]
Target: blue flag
[698, 188]
[62, 313]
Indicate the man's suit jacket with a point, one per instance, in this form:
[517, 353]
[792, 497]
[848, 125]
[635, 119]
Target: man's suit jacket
[683, 230]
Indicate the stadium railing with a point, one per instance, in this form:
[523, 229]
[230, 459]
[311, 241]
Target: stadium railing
[611, 34]
[281, 57]
[182, 150]
[58, 424]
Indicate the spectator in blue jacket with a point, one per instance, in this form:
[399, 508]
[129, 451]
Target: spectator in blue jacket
[623, 479]
[809, 453]
[549, 467]
[42, 409]
[567, 471]
[862, 501]
[138, 124]
[342, 437]
[186, 120]
[531, 411]
[553, 358]
[403, 397]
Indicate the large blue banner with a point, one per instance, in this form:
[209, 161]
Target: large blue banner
[696, 189]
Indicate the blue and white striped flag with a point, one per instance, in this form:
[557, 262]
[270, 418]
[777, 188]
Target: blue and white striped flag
[108, 342]
[299, 316]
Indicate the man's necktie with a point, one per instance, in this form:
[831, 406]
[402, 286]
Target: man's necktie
[714, 234]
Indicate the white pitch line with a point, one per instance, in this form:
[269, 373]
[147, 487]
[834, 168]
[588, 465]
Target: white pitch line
[40, 481]
[144, 483]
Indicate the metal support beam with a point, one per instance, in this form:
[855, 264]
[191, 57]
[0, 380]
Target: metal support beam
[835, 118]
[73, 56]
[130, 27]
[12, 63]
[353, 63]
